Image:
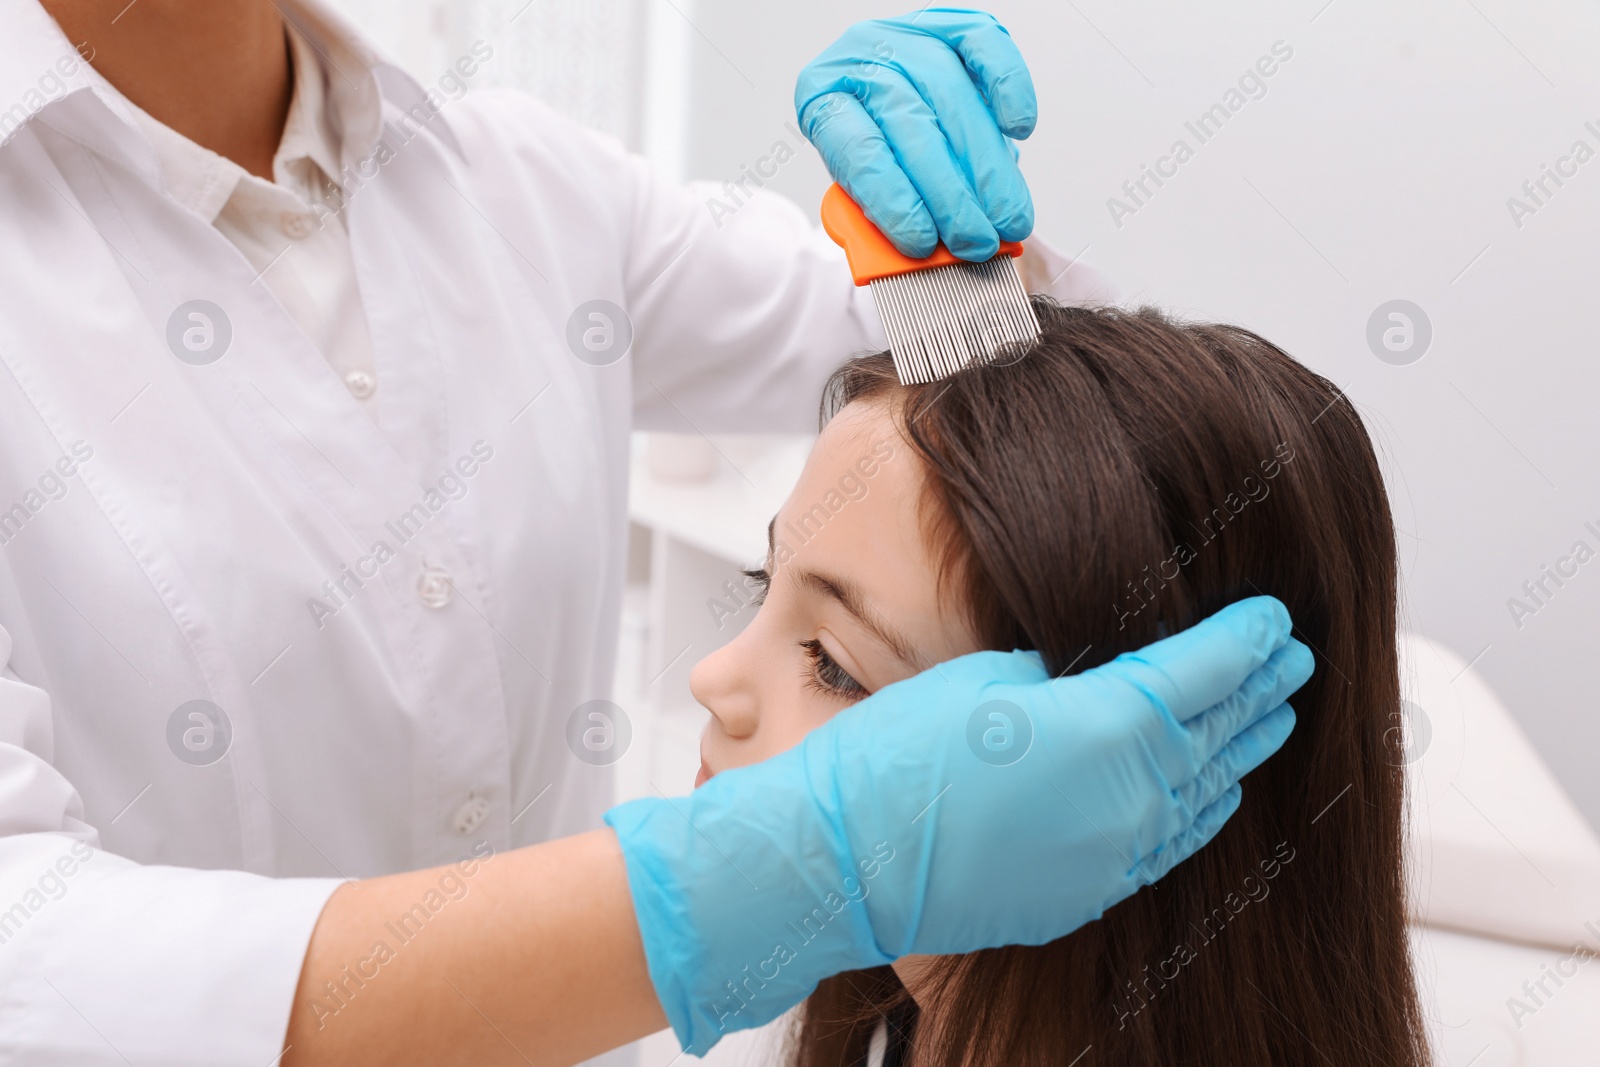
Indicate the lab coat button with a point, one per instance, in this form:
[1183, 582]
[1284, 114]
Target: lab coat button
[361, 383]
[435, 587]
[295, 225]
[470, 815]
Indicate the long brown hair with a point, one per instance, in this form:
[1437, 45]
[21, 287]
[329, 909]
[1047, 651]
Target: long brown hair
[1126, 476]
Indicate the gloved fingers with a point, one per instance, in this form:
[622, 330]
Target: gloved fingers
[994, 62]
[1238, 758]
[991, 668]
[1285, 671]
[858, 155]
[977, 145]
[1192, 838]
[924, 150]
[1200, 667]
[944, 87]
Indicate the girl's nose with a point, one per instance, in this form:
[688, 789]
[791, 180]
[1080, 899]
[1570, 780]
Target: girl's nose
[723, 683]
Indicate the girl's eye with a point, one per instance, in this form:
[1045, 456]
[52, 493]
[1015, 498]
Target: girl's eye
[827, 677]
[823, 674]
[762, 581]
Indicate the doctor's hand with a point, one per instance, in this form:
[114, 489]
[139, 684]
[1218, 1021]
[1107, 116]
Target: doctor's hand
[981, 803]
[911, 116]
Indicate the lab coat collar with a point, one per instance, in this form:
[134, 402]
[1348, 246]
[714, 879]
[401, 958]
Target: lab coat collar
[39, 68]
[308, 132]
[44, 75]
[359, 74]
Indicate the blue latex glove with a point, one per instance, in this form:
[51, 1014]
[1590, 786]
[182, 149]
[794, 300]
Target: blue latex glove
[911, 116]
[885, 833]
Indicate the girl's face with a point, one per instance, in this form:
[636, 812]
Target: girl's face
[851, 604]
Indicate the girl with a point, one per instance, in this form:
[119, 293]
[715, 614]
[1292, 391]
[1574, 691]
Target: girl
[1122, 477]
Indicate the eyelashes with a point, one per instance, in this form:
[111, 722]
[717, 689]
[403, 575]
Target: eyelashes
[823, 673]
[827, 677]
[763, 580]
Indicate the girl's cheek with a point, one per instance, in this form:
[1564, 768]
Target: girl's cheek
[786, 726]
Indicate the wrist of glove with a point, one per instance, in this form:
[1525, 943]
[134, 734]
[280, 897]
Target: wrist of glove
[748, 893]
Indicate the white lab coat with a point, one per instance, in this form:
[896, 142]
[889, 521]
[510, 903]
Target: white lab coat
[154, 908]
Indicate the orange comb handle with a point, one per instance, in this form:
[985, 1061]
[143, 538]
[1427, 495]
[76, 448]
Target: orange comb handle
[870, 253]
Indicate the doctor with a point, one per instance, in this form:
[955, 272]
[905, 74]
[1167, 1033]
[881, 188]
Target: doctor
[313, 505]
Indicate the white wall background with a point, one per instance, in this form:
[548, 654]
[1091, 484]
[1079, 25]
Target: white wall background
[1377, 166]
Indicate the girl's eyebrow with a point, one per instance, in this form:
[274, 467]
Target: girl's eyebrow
[850, 597]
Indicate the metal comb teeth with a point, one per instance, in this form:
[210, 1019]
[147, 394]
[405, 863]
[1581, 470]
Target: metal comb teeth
[945, 319]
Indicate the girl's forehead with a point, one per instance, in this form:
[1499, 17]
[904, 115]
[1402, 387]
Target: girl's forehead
[855, 519]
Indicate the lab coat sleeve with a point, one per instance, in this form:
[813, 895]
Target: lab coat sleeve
[740, 312]
[106, 961]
